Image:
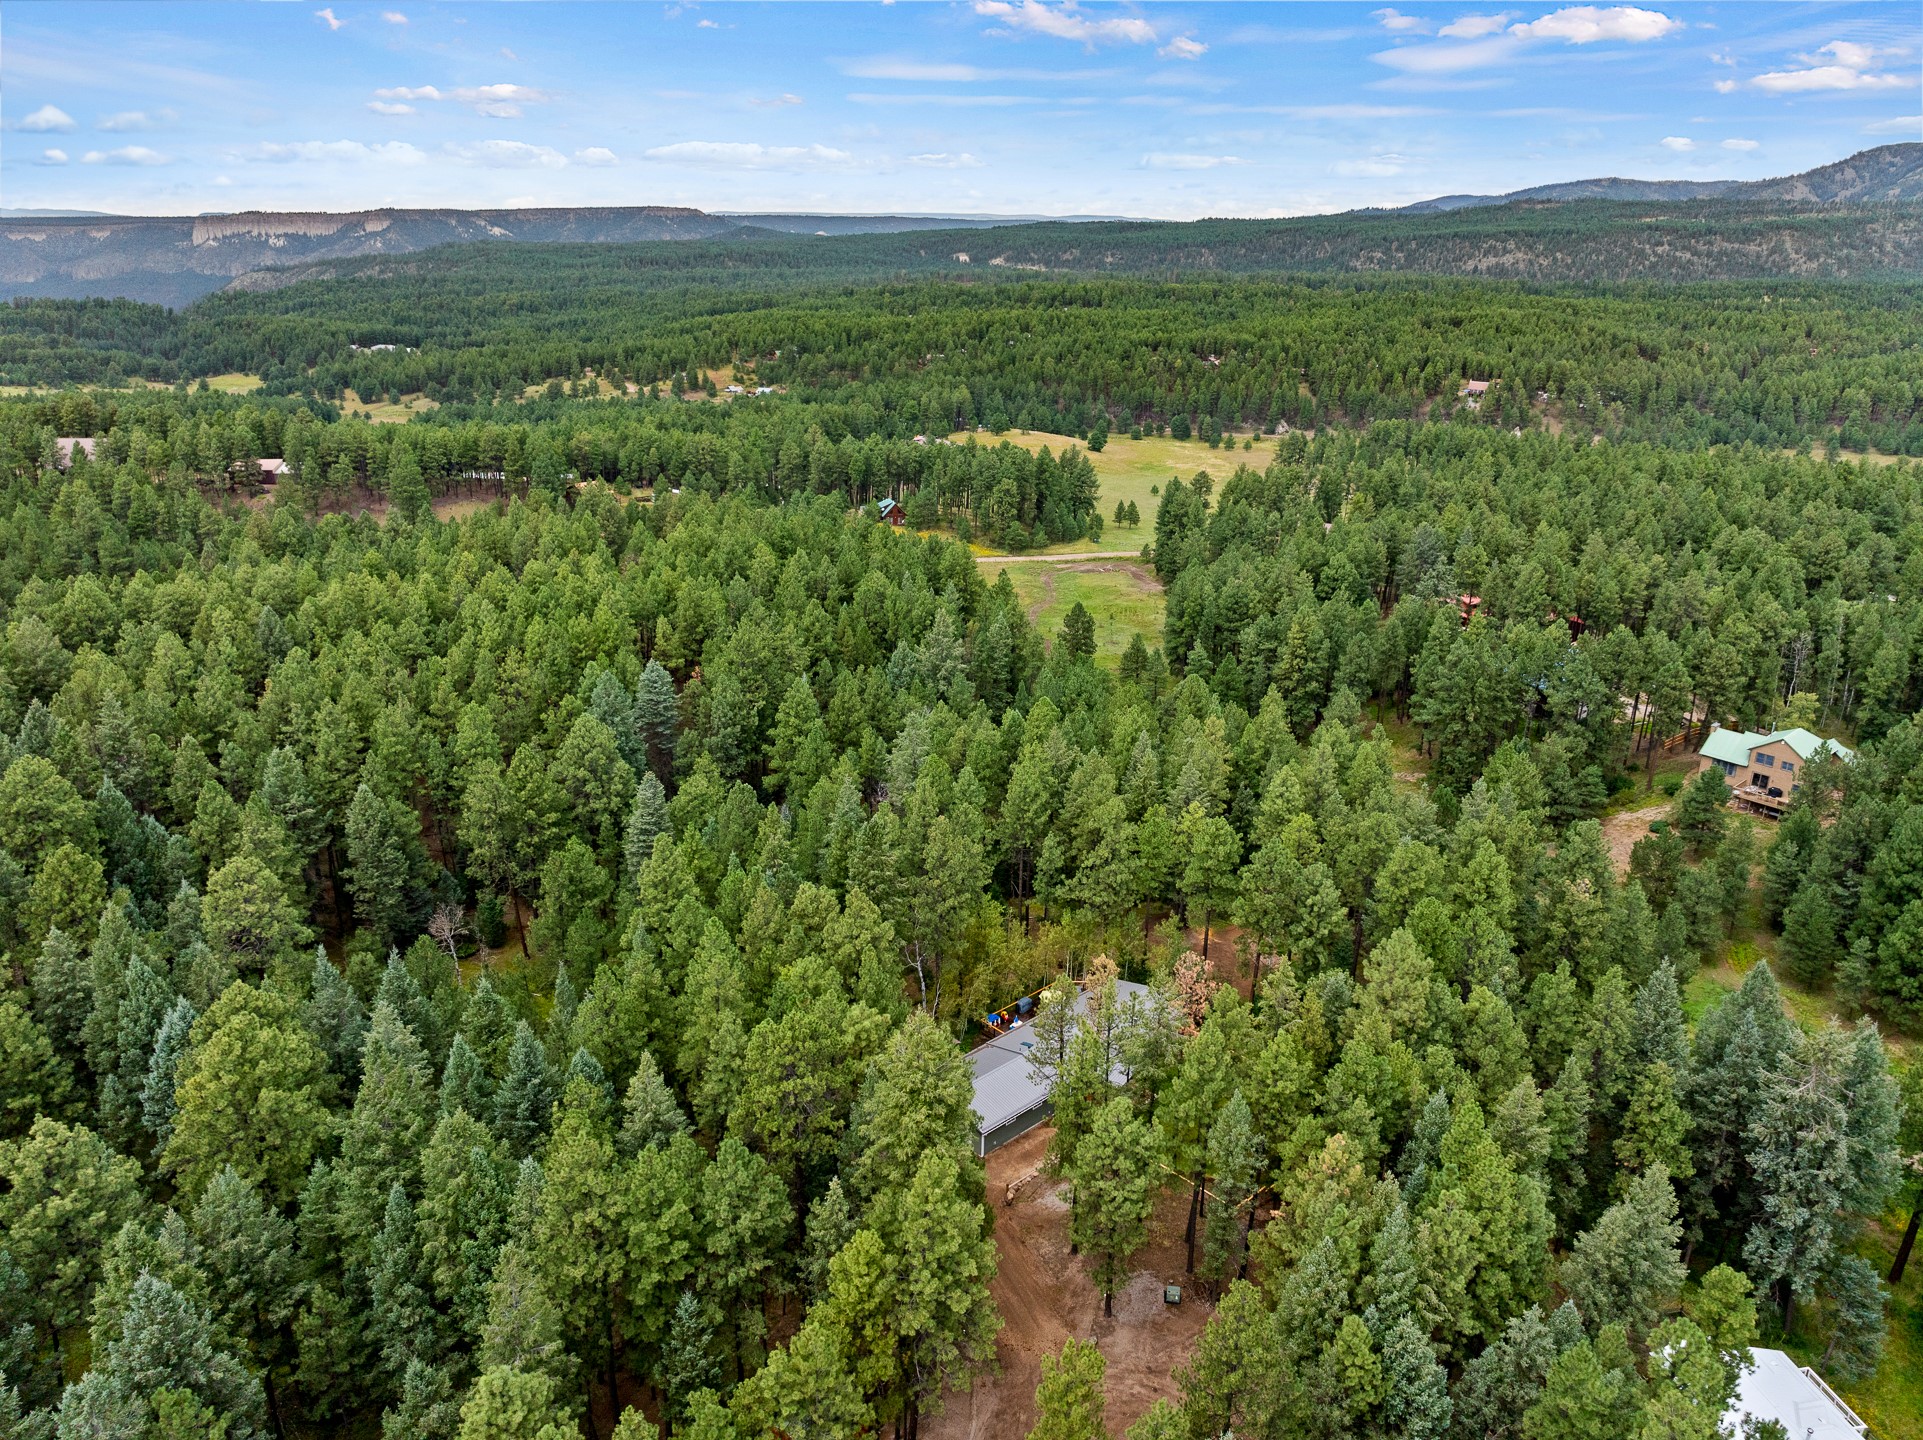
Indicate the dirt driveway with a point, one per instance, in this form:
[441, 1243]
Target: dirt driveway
[1045, 1299]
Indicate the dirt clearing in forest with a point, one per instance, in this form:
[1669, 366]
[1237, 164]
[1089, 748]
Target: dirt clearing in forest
[1622, 830]
[1045, 1298]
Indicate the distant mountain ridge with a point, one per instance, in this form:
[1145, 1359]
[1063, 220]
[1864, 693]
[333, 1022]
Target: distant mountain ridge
[1884, 174]
[174, 260]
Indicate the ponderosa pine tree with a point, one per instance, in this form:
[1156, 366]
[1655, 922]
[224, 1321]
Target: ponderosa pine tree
[1234, 1163]
[253, 1093]
[1070, 1398]
[1113, 1175]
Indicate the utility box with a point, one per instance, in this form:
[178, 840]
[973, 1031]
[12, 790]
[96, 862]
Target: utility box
[1171, 1294]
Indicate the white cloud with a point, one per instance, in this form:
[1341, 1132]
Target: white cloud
[1725, 87]
[1847, 68]
[1346, 111]
[945, 161]
[596, 155]
[128, 120]
[390, 107]
[1585, 24]
[1373, 165]
[1446, 59]
[1065, 22]
[1158, 160]
[125, 155]
[738, 155]
[1474, 27]
[508, 155]
[1681, 144]
[775, 102]
[1184, 47]
[53, 157]
[46, 119]
[1743, 145]
[391, 152]
[706, 25]
[333, 21]
[869, 97]
[1481, 42]
[883, 67]
[1722, 57]
[496, 102]
[1896, 125]
[1403, 24]
[393, 17]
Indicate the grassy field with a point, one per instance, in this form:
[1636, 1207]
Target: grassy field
[234, 383]
[1136, 470]
[1124, 597]
[385, 412]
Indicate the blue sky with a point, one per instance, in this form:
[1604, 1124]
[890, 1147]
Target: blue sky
[972, 106]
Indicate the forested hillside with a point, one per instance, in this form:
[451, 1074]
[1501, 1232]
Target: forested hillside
[1769, 364]
[489, 922]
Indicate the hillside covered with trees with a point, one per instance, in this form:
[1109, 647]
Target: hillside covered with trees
[497, 970]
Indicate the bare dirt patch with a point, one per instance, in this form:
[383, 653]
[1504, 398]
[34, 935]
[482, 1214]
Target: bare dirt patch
[1622, 830]
[1046, 1299]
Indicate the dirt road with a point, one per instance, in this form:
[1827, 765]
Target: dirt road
[1045, 1299]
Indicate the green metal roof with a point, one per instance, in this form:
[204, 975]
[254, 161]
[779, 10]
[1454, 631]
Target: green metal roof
[1732, 747]
[1806, 743]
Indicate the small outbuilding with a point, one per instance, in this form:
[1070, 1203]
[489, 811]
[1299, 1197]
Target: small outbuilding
[891, 510]
[1795, 1397]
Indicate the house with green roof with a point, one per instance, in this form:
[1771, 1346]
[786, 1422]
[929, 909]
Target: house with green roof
[1766, 771]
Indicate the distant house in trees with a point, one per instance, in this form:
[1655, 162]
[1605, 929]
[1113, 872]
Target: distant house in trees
[891, 511]
[1795, 1397]
[65, 445]
[1474, 388]
[1009, 1099]
[1766, 770]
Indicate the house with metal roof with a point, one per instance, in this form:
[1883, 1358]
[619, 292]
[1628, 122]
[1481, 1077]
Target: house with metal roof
[1765, 771]
[65, 445]
[1795, 1397]
[1010, 1098]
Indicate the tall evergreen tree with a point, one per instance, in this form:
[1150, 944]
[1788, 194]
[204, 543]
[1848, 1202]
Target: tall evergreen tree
[526, 1094]
[1112, 1173]
[1069, 1399]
